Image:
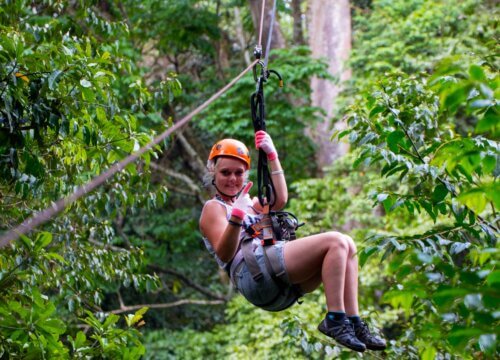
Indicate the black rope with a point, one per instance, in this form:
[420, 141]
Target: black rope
[264, 181]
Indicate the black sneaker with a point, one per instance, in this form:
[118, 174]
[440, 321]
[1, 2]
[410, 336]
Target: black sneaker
[343, 333]
[372, 342]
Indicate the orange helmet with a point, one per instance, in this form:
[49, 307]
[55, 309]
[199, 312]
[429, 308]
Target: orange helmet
[231, 148]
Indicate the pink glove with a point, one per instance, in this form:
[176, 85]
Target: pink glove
[242, 203]
[263, 141]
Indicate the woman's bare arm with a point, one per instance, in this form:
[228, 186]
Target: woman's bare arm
[223, 236]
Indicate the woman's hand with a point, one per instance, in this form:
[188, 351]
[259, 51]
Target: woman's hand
[263, 141]
[242, 202]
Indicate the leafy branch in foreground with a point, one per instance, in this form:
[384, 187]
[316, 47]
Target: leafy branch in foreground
[443, 278]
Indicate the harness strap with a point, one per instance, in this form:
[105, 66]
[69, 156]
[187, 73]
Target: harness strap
[247, 249]
[272, 261]
[274, 264]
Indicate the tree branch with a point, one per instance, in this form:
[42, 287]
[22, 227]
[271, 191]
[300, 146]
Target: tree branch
[190, 183]
[188, 282]
[196, 163]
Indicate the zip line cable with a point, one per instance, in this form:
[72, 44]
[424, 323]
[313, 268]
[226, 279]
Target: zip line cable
[270, 35]
[42, 217]
[259, 43]
[48, 213]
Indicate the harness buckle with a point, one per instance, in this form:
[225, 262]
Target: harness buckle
[267, 242]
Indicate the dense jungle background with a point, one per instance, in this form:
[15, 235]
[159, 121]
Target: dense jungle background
[387, 128]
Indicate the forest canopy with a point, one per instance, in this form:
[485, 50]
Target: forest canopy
[122, 272]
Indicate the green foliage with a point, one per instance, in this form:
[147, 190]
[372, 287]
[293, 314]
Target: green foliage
[31, 324]
[436, 134]
[426, 153]
[411, 36]
[251, 333]
[64, 119]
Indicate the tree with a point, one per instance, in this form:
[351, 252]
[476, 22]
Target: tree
[298, 31]
[330, 38]
[71, 99]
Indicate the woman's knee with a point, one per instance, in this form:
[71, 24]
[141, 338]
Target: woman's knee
[338, 241]
[351, 244]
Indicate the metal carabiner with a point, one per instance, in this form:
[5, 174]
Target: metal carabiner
[262, 70]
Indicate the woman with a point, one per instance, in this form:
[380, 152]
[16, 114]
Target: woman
[327, 258]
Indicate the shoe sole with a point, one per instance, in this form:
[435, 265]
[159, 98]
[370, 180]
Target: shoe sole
[376, 348]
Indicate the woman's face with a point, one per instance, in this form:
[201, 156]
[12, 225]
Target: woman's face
[229, 175]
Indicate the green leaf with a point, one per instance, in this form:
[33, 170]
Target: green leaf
[53, 78]
[493, 278]
[43, 239]
[382, 197]
[53, 255]
[477, 73]
[110, 320]
[393, 139]
[446, 296]
[474, 199]
[458, 247]
[87, 94]
[481, 103]
[135, 318]
[400, 298]
[376, 110]
[365, 254]
[453, 99]
[52, 326]
[429, 353]
[489, 123]
[439, 193]
[101, 115]
[397, 245]
[460, 337]
[429, 209]
[28, 243]
[489, 163]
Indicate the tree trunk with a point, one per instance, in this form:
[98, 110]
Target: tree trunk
[330, 38]
[278, 41]
[240, 34]
[298, 34]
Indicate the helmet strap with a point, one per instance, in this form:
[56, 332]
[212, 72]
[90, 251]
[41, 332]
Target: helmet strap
[226, 195]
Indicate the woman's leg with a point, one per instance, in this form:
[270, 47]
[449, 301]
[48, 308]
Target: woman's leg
[351, 278]
[331, 258]
[327, 257]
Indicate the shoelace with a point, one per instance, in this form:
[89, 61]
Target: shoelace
[363, 329]
[346, 329]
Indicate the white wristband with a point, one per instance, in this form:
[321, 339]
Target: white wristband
[277, 172]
